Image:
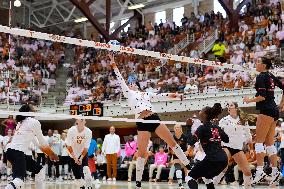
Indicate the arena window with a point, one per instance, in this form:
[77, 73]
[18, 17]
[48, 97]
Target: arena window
[124, 21]
[160, 16]
[178, 15]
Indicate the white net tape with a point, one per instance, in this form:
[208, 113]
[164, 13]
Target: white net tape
[129, 50]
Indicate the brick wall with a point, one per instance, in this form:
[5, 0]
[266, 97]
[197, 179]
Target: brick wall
[169, 15]
[187, 10]
[4, 16]
[149, 17]
[206, 6]
[91, 30]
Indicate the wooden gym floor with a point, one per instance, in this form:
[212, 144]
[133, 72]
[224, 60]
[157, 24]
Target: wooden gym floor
[124, 185]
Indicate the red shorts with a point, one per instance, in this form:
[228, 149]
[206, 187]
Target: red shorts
[92, 165]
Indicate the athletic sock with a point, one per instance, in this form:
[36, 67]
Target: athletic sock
[180, 154]
[247, 180]
[274, 170]
[217, 179]
[221, 175]
[179, 181]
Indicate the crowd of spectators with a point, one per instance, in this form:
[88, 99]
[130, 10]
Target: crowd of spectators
[260, 33]
[30, 70]
[92, 79]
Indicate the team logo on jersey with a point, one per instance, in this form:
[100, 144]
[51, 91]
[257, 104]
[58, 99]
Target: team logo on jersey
[80, 139]
[215, 135]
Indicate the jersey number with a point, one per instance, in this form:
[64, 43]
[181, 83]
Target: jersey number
[79, 141]
[272, 84]
[215, 135]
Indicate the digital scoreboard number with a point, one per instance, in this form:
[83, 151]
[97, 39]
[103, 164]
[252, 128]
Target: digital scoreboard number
[92, 109]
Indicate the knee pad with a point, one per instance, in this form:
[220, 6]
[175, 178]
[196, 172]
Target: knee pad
[87, 173]
[207, 181]
[259, 148]
[179, 174]
[271, 150]
[41, 175]
[9, 171]
[140, 163]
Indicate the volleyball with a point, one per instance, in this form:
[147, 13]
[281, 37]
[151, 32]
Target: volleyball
[114, 42]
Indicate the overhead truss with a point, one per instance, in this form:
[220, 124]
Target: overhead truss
[54, 13]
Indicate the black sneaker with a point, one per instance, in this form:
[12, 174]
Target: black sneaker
[138, 184]
[192, 184]
[180, 186]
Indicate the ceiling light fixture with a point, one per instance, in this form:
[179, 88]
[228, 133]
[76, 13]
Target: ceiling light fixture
[17, 3]
[137, 6]
[83, 19]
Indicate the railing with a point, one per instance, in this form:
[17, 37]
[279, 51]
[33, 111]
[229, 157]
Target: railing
[206, 45]
[182, 44]
[54, 108]
[193, 102]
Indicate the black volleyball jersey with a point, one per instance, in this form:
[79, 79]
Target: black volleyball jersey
[210, 137]
[265, 86]
[182, 141]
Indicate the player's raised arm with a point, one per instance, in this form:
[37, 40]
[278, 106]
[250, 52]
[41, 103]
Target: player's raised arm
[124, 87]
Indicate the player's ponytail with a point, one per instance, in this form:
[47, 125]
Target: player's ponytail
[244, 117]
[268, 62]
[213, 112]
[24, 108]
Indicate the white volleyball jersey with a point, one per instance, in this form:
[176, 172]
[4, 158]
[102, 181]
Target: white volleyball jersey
[34, 146]
[78, 141]
[1, 144]
[25, 133]
[139, 101]
[238, 134]
[30, 149]
[6, 142]
[37, 146]
[64, 151]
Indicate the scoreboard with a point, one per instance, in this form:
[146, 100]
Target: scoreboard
[91, 109]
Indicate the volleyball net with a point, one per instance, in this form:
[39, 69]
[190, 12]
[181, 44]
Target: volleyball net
[114, 48]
